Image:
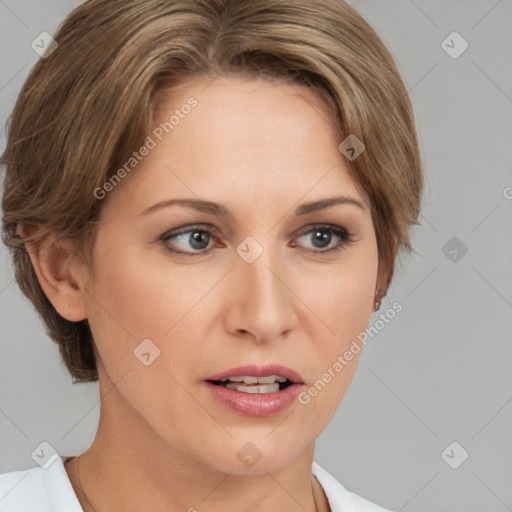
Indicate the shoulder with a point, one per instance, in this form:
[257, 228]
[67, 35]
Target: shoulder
[340, 499]
[23, 490]
[38, 490]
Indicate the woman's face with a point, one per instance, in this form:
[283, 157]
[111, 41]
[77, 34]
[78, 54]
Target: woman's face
[251, 269]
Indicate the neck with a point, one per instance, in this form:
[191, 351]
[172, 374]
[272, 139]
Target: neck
[117, 473]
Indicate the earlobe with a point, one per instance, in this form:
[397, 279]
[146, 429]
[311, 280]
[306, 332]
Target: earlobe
[58, 274]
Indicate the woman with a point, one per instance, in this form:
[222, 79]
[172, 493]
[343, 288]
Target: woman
[204, 201]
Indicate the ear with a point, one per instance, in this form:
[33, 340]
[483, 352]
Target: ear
[59, 274]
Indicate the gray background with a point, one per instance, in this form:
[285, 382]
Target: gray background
[440, 371]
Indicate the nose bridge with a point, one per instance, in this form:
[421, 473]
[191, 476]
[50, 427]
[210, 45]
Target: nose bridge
[263, 303]
[262, 278]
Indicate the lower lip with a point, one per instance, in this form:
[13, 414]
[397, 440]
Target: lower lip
[256, 404]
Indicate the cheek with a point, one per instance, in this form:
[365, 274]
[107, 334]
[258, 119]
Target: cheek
[122, 296]
[341, 297]
[339, 308]
[120, 300]
[131, 300]
[127, 292]
[344, 311]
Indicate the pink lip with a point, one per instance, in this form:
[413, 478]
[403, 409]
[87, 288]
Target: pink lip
[260, 371]
[257, 404]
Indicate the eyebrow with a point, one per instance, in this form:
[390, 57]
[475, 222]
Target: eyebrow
[220, 210]
[326, 203]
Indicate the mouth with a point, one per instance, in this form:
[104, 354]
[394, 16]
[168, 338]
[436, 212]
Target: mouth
[251, 384]
[256, 390]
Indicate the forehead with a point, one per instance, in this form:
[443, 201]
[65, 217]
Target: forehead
[233, 112]
[242, 134]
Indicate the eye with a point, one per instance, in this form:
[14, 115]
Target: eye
[326, 238]
[192, 240]
[197, 240]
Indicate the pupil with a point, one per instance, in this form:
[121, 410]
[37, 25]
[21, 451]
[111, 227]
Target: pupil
[199, 240]
[323, 237]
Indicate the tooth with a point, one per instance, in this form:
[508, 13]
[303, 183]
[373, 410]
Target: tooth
[269, 388]
[249, 379]
[282, 379]
[264, 388]
[252, 390]
[267, 380]
[236, 379]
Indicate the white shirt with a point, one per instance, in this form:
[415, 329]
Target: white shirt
[50, 490]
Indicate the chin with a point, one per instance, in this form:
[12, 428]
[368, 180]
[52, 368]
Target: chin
[243, 456]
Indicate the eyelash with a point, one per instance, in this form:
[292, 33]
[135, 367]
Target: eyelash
[344, 236]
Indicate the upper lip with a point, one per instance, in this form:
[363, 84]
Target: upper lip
[259, 371]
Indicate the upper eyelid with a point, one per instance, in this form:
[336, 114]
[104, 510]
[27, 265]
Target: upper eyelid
[190, 227]
[214, 231]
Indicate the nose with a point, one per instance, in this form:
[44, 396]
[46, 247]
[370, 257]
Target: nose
[261, 302]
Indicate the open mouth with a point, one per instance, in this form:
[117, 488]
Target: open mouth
[256, 391]
[254, 387]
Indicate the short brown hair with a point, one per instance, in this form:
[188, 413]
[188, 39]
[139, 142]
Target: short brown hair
[91, 103]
